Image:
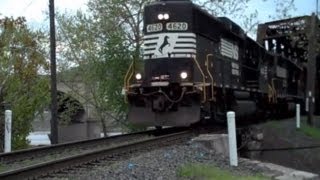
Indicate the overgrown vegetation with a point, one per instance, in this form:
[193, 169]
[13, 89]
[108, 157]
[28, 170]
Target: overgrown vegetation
[22, 89]
[313, 132]
[198, 171]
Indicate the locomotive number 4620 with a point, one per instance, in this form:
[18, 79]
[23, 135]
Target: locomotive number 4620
[177, 26]
[154, 27]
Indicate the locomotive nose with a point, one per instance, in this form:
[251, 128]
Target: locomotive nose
[158, 104]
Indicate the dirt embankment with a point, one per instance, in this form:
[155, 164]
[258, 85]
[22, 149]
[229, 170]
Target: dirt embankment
[283, 134]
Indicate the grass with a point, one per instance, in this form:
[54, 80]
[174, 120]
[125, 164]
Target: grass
[274, 124]
[310, 131]
[197, 171]
[3, 168]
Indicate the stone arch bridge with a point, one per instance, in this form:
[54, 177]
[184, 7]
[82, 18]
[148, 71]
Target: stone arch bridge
[76, 102]
[84, 120]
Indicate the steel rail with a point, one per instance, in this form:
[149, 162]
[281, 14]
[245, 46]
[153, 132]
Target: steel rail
[47, 150]
[43, 169]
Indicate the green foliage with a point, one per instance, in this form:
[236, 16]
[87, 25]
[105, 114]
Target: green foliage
[198, 171]
[313, 132]
[101, 56]
[69, 109]
[273, 124]
[27, 93]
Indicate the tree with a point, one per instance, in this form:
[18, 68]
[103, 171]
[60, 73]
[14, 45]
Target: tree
[21, 58]
[101, 56]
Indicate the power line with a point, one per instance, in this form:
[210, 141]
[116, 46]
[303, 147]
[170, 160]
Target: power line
[25, 9]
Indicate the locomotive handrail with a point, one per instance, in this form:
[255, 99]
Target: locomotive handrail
[211, 77]
[126, 76]
[272, 91]
[204, 80]
[127, 80]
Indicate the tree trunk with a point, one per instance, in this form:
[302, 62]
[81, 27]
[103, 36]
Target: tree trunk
[104, 127]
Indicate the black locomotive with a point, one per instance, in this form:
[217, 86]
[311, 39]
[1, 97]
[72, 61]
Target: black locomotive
[197, 67]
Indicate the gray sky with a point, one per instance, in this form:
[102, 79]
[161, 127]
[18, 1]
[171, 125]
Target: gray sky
[34, 10]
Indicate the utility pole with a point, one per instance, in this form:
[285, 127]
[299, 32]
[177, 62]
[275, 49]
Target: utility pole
[317, 8]
[54, 109]
[311, 69]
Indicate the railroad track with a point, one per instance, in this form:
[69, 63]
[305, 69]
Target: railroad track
[61, 159]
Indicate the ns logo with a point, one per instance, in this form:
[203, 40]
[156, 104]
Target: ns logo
[164, 44]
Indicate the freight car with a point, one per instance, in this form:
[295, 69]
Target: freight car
[197, 67]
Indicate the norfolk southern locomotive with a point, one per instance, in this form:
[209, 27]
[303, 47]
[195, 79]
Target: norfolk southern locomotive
[197, 67]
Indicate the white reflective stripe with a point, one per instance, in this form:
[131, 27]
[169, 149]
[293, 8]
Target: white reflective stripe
[184, 51]
[186, 84]
[176, 51]
[160, 45]
[160, 83]
[235, 65]
[226, 42]
[135, 85]
[186, 45]
[229, 49]
[281, 72]
[180, 34]
[188, 55]
[235, 72]
[151, 41]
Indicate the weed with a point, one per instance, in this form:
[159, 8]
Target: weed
[197, 171]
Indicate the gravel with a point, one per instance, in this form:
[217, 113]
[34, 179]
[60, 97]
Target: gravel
[164, 164]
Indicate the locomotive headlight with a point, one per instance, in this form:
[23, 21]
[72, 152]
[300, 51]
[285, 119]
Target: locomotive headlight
[166, 16]
[160, 16]
[138, 76]
[184, 75]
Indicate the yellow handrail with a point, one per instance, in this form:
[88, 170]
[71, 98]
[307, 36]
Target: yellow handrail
[128, 80]
[126, 84]
[211, 77]
[272, 93]
[204, 80]
[274, 90]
